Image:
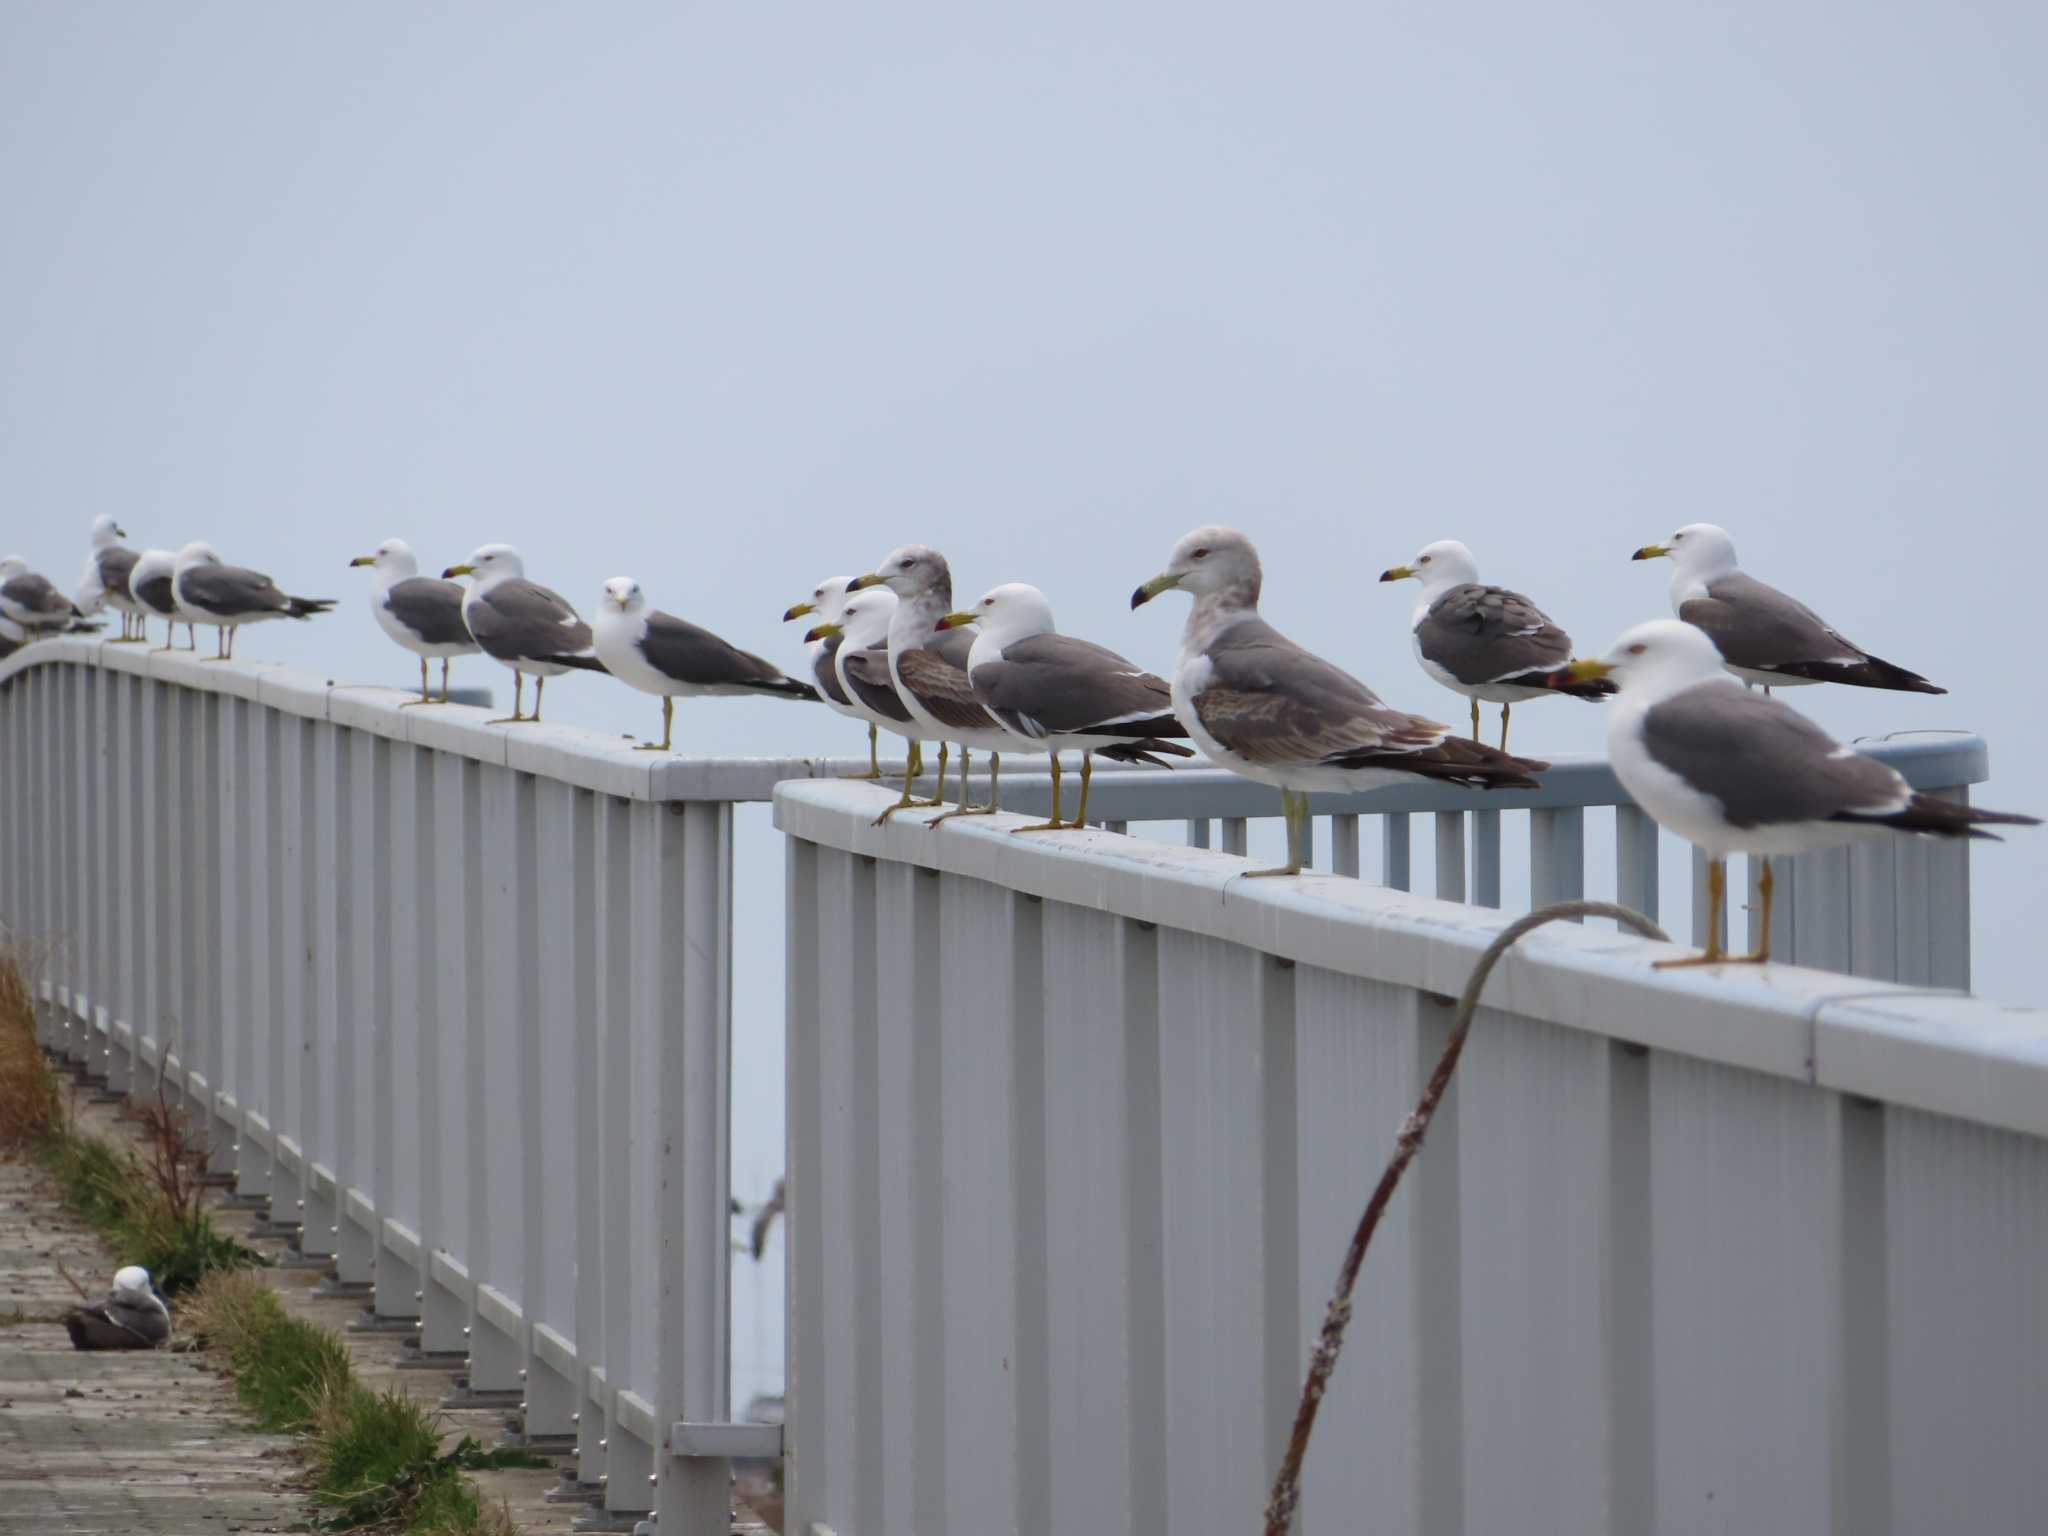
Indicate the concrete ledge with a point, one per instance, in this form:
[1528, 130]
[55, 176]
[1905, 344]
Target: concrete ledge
[556, 1352]
[500, 1311]
[403, 1241]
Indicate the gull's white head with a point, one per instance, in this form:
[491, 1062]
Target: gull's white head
[1655, 660]
[827, 601]
[393, 560]
[1014, 611]
[133, 1278]
[864, 619]
[624, 594]
[1446, 563]
[1210, 560]
[11, 565]
[910, 571]
[491, 563]
[1701, 550]
[105, 531]
[198, 552]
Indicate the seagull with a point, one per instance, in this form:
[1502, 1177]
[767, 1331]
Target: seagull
[105, 582]
[1485, 642]
[422, 613]
[860, 662]
[521, 623]
[132, 1317]
[1737, 772]
[659, 653]
[12, 637]
[1061, 694]
[1764, 636]
[1265, 708]
[32, 600]
[931, 678]
[827, 602]
[229, 596]
[150, 585]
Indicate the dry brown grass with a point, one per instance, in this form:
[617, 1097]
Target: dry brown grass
[227, 1311]
[31, 1105]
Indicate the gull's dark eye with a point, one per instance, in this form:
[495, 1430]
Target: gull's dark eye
[908, 564]
[1201, 554]
[1425, 559]
[988, 602]
[1637, 649]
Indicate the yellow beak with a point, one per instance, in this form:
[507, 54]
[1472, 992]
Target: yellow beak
[1588, 671]
[1651, 552]
[362, 560]
[798, 610]
[1164, 582]
[862, 583]
[458, 570]
[955, 620]
[1397, 573]
[822, 632]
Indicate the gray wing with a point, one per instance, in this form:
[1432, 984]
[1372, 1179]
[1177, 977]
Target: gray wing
[825, 673]
[1489, 635]
[522, 620]
[230, 590]
[1057, 685]
[36, 596]
[1757, 626]
[944, 690]
[952, 646]
[154, 594]
[867, 674]
[1765, 763]
[430, 607]
[114, 564]
[679, 649]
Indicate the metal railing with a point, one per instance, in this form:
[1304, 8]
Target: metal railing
[456, 1002]
[1079, 1127]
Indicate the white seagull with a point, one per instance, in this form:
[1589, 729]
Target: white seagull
[32, 600]
[105, 582]
[422, 613]
[529, 628]
[826, 604]
[860, 664]
[1764, 636]
[1264, 707]
[229, 596]
[150, 585]
[133, 1316]
[1732, 771]
[1485, 642]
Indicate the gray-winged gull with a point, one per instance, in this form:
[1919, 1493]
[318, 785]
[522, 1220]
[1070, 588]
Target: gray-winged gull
[930, 673]
[529, 628]
[1264, 707]
[229, 596]
[1485, 642]
[105, 582]
[826, 604]
[1732, 771]
[150, 585]
[661, 654]
[32, 600]
[133, 1316]
[422, 613]
[1061, 694]
[1764, 636]
[861, 663]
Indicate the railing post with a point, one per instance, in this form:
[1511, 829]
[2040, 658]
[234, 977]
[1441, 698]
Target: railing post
[1557, 856]
[1635, 861]
[1394, 851]
[1450, 855]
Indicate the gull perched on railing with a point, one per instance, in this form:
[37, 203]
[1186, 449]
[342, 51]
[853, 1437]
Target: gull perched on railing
[860, 663]
[150, 585]
[1737, 772]
[1764, 636]
[1264, 707]
[1061, 694]
[1485, 642]
[930, 673]
[32, 600]
[827, 603]
[659, 653]
[229, 596]
[529, 628]
[422, 613]
[105, 583]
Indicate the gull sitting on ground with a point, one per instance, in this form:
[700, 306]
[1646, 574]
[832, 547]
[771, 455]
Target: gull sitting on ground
[133, 1316]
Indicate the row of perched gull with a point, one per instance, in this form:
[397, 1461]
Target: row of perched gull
[1728, 767]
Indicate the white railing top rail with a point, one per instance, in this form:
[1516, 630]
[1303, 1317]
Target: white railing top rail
[1945, 1052]
[609, 764]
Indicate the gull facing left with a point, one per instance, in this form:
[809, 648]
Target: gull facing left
[529, 628]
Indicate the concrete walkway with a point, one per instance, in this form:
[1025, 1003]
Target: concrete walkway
[145, 1444]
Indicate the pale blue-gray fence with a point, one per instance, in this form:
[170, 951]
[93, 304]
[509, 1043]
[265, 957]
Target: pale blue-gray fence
[458, 999]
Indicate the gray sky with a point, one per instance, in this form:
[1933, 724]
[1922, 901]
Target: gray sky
[730, 299]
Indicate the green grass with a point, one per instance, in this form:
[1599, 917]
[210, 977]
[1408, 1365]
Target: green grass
[108, 1187]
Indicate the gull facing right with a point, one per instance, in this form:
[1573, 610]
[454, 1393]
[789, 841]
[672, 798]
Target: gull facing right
[1732, 771]
[1264, 707]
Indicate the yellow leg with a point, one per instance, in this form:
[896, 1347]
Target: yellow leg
[1504, 726]
[874, 757]
[426, 696]
[1475, 719]
[1717, 891]
[518, 699]
[1055, 825]
[1293, 806]
[668, 710]
[444, 679]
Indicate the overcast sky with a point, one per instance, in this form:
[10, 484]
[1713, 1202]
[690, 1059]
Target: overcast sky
[729, 299]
